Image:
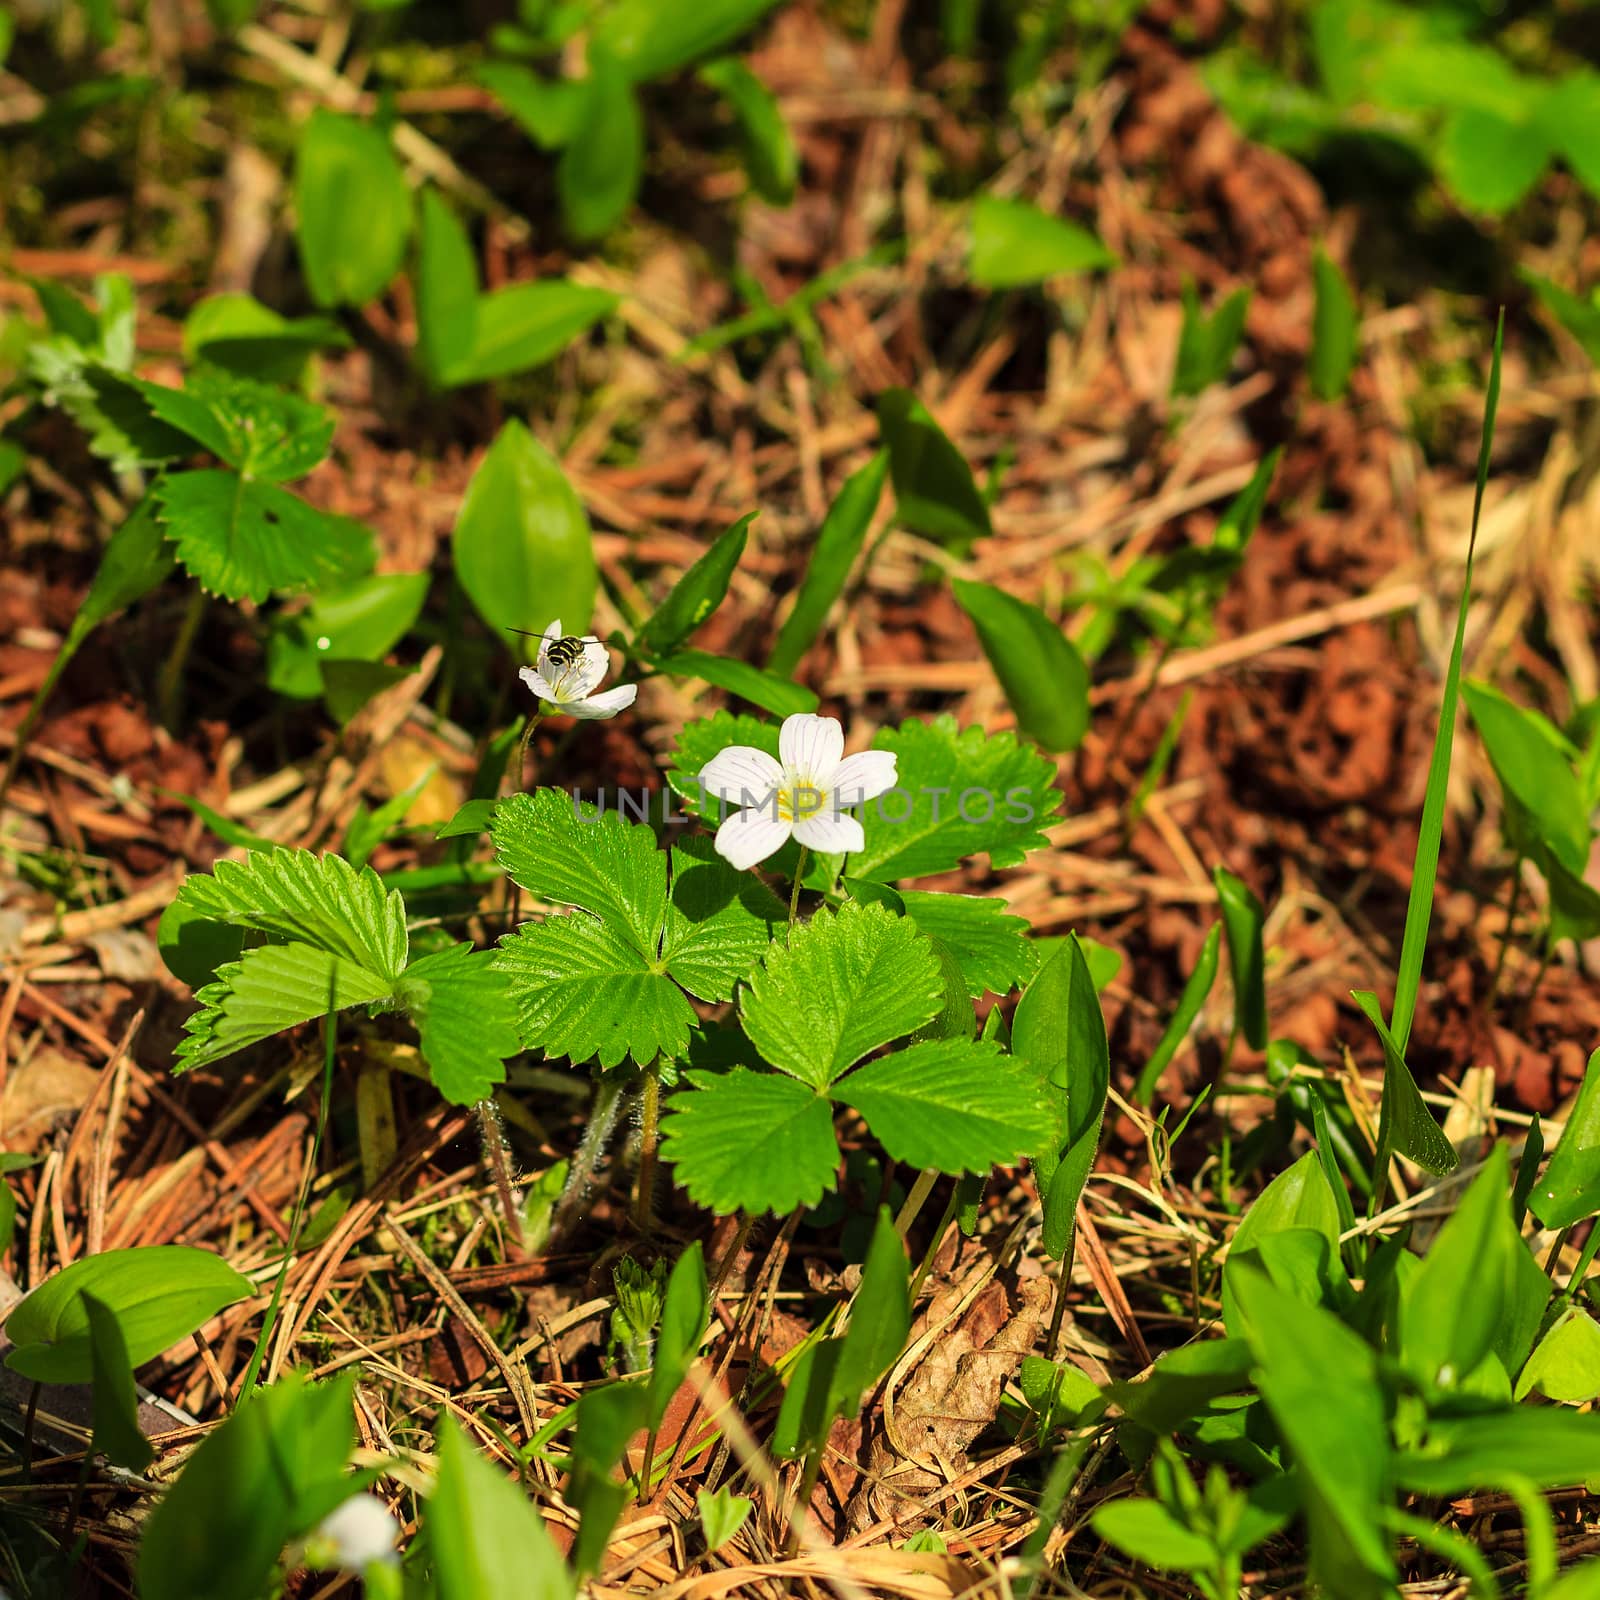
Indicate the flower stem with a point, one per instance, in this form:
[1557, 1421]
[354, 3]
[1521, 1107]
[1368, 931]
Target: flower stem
[794, 892]
[650, 1115]
[494, 1152]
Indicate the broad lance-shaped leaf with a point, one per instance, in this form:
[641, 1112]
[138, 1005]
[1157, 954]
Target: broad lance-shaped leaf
[845, 983]
[844, 530]
[159, 1294]
[1060, 1032]
[446, 288]
[352, 209]
[1044, 677]
[1334, 330]
[522, 544]
[267, 990]
[315, 900]
[957, 1105]
[523, 326]
[682, 1328]
[460, 1002]
[649, 38]
[248, 540]
[116, 1403]
[697, 593]
[1405, 1125]
[597, 175]
[1206, 345]
[1015, 243]
[1569, 1191]
[934, 491]
[750, 1141]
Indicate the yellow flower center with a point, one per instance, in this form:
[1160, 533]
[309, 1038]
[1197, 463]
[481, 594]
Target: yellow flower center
[799, 801]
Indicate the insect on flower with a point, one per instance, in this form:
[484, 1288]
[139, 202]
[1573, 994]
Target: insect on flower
[570, 667]
[802, 795]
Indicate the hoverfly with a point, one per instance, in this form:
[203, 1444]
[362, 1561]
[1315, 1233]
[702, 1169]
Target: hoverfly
[564, 652]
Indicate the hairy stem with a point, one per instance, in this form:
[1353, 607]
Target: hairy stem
[169, 684]
[650, 1116]
[602, 1119]
[499, 1160]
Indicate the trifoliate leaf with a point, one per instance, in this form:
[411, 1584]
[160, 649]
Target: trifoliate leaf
[569, 852]
[461, 1004]
[750, 1141]
[260, 431]
[960, 791]
[955, 1104]
[719, 922]
[244, 539]
[267, 990]
[990, 946]
[583, 989]
[311, 899]
[846, 982]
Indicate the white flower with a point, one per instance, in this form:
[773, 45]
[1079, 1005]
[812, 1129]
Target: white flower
[354, 1536]
[803, 795]
[568, 670]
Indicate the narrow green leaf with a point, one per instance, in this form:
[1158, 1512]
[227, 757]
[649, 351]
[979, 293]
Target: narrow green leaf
[1195, 992]
[1545, 1444]
[521, 327]
[116, 1404]
[935, 493]
[880, 1319]
[651, 38]
[1207, 345]
[683, 1327]
[1334, 330]
[1243, 917]
[1147, 1531]
[447, 289]
[352, 209]
[697, 593]
[1014, 243]
[598, 173]
[844, 530]
[1405, 1125]
[522, 545]
[765, 689]
[769, 153]
[1570, 1188]
[1044, 677]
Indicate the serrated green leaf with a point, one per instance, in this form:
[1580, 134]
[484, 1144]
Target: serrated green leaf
[700, 740]
[1044, 677]
[990, 946]
[935, 493]
[843, 532]
[269, 989]
[461, 1004]
[845, 983]
[260, 431]
[1015, 243]
[583, 989]
[598, 172]
[312, 899]
[352, 209]
[522, 544]
[697, 593]
[957, 1105]
[750, 1141]
[246, 540]
[719, 923]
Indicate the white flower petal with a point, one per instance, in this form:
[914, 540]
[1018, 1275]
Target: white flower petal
[831, 833]
[599, 706]
[864, 777]
[810, 748]
[741, 775]
[591, 666]
[749, 837]
[360, 1532]
[548, 638]
[536, 682]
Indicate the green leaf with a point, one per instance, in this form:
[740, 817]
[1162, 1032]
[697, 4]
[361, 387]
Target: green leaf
[769, 153]
[352, 209]
[246, 540]
[935, 494]
[1490, 162]
[1405, 1125]
[805, 1417]
[1569, 1191]
[880, 1319]
[523, 326]
[362, 621]
[1044, 677]
[990, 946]
[1206, 345]
[266, 991]
[719, 923]
[546, 109]
[461, 1004]
[650, 38]
[1320, 1383]
[157, 1294]
[1334, 330]
[1419, 907]
[847, 982]
[598, 173]
[1147, 1531]
[447, 289]
[1581, 318]
[349, 686]
[1243, 917]
[682, 1330]
[765, 689]
[1014, 243]
[471, 820]
[721, 1515]
[956, 1018]
[1545, 1444]
[258, 430]
[266, 1477]
[844, 531]
[1195, 992]
[485, 1536]
[522, 545]
[1565, 1366]
[116, 1404]
[239, 334]
[958, 1105]
[1183, 1383]
[1299, 1198]
[316, 900]
[608, 1417]
[750, 1141]
[697, 593]
[583, 989]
